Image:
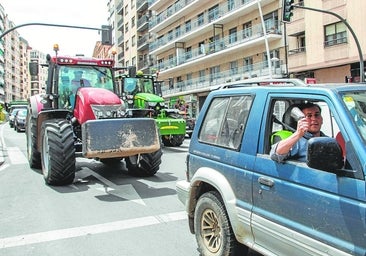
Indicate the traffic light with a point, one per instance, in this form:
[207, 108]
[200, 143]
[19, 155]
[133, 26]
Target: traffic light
[106, 35]
[287, 8]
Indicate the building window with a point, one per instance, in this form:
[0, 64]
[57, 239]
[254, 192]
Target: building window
[171, 60]
[213, 13]
[133, 41]
[189, 79]
[188, 53]
[126, 27]
[230, 5]
[271, 22]
[232, 36]
[201, 48]
[188, 26]
[248, 64]
[247, 30]
[201, 75]
[200, 19]
[133, 22]
[214, 73]
[170, 35]
[177, 32]
[335, 34]
[233, 67]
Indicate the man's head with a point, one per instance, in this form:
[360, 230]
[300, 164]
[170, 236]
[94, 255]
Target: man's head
[78, 74]
[313, 115]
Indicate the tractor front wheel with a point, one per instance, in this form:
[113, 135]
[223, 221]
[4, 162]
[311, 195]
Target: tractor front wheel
[173, 140]
[144, 165]
[58, 152]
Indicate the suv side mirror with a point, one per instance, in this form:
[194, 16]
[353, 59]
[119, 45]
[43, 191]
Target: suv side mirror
[325, 154]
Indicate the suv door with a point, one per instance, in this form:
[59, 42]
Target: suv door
[301, 210]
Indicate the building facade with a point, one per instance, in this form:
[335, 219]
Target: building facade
[195, 45]
[321, 46]
[2, 55]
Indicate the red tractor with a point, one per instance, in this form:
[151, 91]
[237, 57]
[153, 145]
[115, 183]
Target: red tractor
[82, 114]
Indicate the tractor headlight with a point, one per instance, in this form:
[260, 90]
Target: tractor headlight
[108, 111]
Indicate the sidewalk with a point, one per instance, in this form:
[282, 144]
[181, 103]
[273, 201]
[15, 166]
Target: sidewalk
[2, 160]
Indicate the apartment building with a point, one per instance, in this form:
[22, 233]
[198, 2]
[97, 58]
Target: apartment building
[197, 45]
[321, 46]
[2, 56]
[12, 64]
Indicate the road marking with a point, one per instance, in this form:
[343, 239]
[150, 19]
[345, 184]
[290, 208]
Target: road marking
[54, 235]
[127, 191]
[16, 156]
[4, 166]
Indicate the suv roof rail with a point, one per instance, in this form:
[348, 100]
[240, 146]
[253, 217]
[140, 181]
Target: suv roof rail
[266, 82]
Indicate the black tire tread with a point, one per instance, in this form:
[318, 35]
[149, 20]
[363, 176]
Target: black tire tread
[61, 152]
[148, 166]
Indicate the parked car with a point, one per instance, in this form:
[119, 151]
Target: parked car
[19, 120]
[237, 198]
[13, 111]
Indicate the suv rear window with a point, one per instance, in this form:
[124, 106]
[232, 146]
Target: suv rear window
[225, 121]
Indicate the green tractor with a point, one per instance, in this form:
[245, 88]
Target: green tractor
[140, 91]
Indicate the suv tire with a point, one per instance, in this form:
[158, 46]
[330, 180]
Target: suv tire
[213, 231]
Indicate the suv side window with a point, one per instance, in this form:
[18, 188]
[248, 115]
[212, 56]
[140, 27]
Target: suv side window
[225, 121]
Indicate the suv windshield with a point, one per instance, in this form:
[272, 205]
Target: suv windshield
[356, 105]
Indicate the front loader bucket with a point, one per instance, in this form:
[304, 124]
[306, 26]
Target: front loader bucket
[112, 138]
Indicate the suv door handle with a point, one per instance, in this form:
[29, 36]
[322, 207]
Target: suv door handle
[266, 181]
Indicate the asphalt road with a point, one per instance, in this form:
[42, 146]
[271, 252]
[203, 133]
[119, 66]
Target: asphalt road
[104, 212]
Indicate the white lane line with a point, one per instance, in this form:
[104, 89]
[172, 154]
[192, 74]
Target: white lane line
[16, 156]
[3, 167]
[89, 230]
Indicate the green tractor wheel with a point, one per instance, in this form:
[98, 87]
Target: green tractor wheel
[173, 140]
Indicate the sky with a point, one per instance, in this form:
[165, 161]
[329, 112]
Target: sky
[83, 13]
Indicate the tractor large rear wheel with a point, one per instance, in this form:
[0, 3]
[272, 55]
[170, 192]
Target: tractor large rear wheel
[33, 155]
[144, 165]
[58, 152]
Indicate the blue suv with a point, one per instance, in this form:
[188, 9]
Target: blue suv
[237, 198]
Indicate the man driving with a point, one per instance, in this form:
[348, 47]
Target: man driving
[295, 146]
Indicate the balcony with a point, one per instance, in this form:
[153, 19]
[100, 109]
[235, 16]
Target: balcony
[182, 8]
[120, 24]
[120, 41]
[143, 43]
[120, 7]
[204, 24]
[238, 41]
[142, 23]
[142, 5]
[213, 81]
